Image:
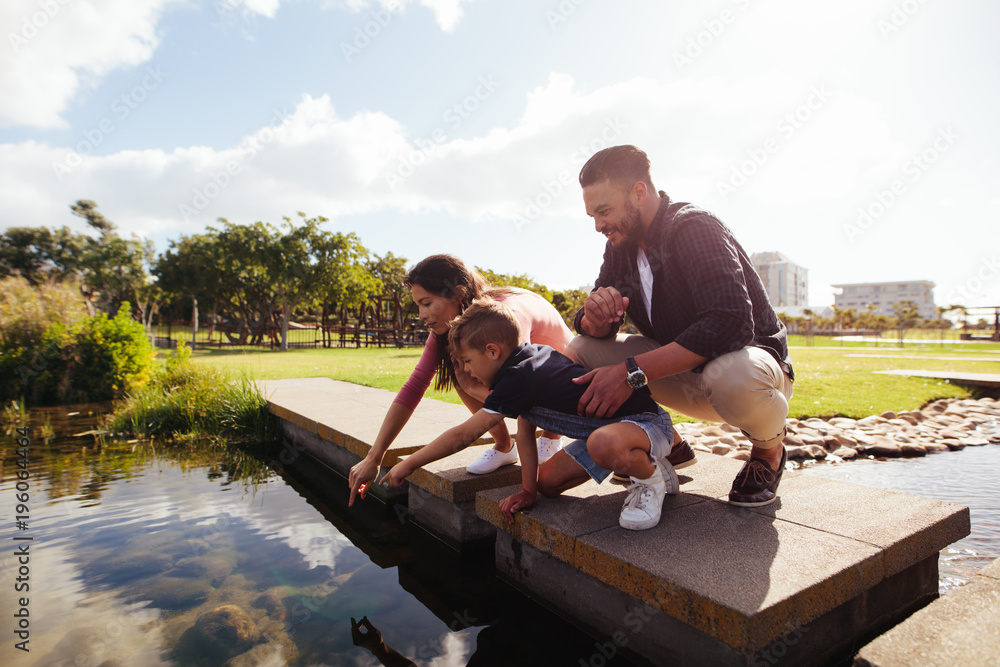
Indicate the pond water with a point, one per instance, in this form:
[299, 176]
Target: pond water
[149, 554]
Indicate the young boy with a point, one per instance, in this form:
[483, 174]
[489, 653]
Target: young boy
[534, 384]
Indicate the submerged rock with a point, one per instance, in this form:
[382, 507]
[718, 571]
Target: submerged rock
[218, 635]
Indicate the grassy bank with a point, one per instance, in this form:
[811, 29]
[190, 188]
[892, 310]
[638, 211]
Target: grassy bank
[830, 380]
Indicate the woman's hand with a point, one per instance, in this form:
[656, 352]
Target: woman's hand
[362, 475]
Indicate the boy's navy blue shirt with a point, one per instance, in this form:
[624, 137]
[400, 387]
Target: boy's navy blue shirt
[537, 376]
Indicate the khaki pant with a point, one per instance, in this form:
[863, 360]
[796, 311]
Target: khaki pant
[745, 388]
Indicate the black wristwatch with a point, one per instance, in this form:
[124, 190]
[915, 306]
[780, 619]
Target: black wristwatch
[635, 378]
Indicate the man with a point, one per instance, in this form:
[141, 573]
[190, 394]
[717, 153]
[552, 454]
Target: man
[710, 346]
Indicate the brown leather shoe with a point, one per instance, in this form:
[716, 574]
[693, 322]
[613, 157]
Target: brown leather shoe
[681, 456]
[756, 484]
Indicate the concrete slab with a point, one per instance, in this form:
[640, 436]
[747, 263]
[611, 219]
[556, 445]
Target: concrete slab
[961, 628]
[448, 480]
[744, 577]
[906, 528]
[745, 582]
[350, 415]
[977, 379]
[992, 570]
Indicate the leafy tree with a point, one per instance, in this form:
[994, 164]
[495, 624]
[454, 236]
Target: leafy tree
[115, 269]
[521, 280]
[907, 316]
[40, 254]
[244, 292]
[390, 271]
[349, 282]
[568, 302]
[188, 270]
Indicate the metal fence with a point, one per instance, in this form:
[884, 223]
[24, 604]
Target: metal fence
[299, 336]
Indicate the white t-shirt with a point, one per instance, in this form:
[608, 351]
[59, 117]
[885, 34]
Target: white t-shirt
[646, 282]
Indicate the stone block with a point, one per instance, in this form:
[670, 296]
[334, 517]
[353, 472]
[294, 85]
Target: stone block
[960, 628]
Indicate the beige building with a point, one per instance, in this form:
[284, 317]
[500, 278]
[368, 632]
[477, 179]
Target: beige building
[857, 296]
[787, 284]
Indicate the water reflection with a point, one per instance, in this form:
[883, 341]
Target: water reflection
[196, 554]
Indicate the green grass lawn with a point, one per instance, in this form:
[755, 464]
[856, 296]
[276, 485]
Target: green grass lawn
[828, 381]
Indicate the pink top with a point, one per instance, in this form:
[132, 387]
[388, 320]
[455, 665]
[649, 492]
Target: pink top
[540, 322]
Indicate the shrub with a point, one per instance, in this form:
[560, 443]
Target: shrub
[51, 352]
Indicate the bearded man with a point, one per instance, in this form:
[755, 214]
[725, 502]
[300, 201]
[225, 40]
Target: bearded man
[710, 345]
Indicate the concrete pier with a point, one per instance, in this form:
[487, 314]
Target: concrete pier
[808, 579]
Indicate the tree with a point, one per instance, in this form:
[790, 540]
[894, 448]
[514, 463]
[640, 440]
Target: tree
[390, 271]
[188, 270]
[40, 254]
[907, 315]
[568, 302]
[521, 280]
[958, 308]
[115, 269]
[244, 292]
[349, 281]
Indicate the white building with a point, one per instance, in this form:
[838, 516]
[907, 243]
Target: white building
[787, 284]
[857, 296]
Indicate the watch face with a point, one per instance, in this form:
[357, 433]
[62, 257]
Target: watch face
[636, 379]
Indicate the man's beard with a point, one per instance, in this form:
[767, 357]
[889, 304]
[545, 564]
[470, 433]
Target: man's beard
[631, 225]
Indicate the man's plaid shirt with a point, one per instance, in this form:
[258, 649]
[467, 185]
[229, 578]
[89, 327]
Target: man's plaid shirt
[706, 294]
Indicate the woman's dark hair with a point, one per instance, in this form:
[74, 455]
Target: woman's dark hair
[448, 277]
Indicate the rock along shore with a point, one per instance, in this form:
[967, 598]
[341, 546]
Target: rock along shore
[943, 425]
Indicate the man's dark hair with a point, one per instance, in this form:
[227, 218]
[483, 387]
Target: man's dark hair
[624, 165]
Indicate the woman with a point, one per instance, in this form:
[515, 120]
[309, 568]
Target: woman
[443, 287]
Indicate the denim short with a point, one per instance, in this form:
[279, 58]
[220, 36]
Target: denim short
[657, 426]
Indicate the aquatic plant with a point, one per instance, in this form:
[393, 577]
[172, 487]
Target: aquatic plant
[13, 414]
[188, 400]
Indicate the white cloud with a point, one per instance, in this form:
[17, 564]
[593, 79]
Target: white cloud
[58, 49]
[311, 158]
[446, 12]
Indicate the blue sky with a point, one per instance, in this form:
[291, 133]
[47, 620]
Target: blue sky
[856, 138]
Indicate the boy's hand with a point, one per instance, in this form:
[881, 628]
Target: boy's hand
[396, 476]
[516, 502]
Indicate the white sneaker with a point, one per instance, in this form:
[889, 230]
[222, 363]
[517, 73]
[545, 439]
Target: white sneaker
[547, 447]
[644, 502]
[491, 460]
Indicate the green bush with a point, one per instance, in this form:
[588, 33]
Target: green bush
[49, 353]
[184, 399]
